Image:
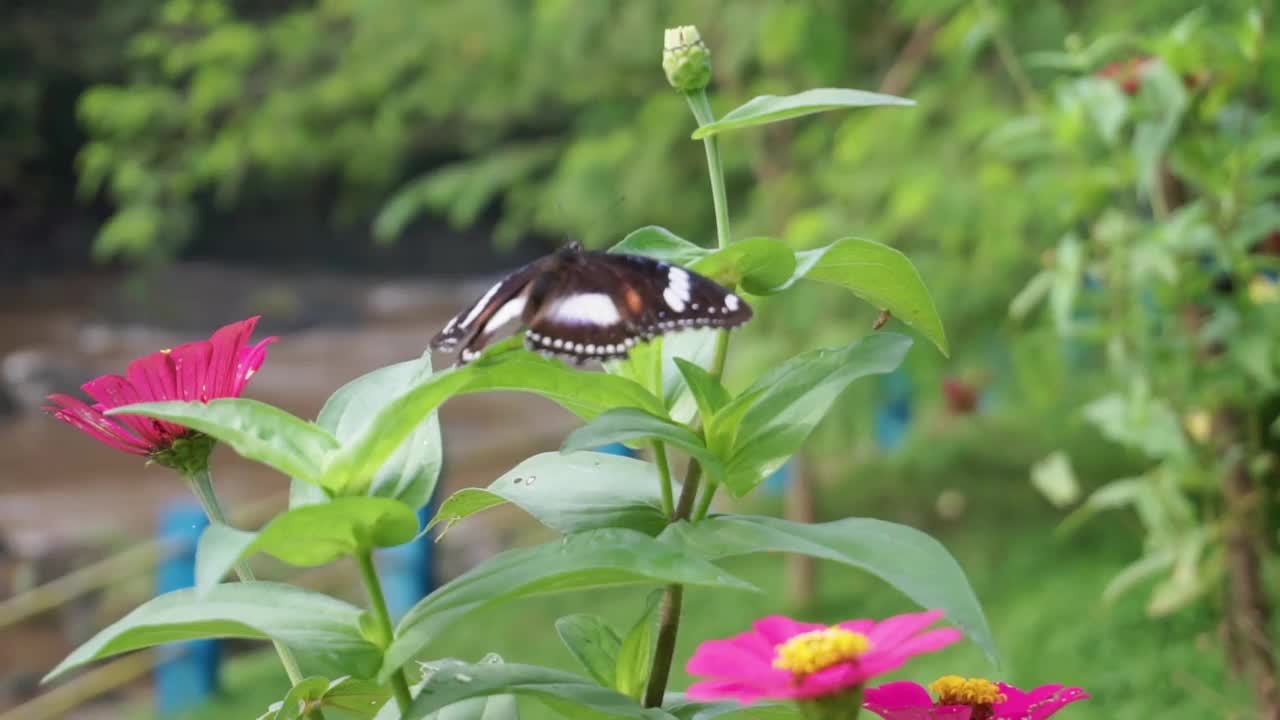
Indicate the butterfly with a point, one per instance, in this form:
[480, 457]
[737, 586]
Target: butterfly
[592, 305]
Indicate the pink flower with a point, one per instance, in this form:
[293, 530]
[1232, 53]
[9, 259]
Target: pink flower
[783, 658]
[219, 367]
[968, 699]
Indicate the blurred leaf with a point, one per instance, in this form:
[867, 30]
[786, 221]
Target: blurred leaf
[630, 424]
[302, 619]
[308, 536]
[636, 653]
[685, 709]
[570, 493]
[763, 427]
[1140, 422]
[907, 559]
[707, 391]
[411, 474]
[760, 265]
[593, 644]
[301, 698]
[592, 559]
[660, 243]
[450, 682]
[879, 275]
[255, 430]
[1055, 480]
[773, 108]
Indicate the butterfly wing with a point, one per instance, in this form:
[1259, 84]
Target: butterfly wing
[474, 327]
[599, 305]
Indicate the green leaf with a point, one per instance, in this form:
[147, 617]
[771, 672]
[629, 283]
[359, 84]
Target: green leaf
[411, 473]
[774, 108]
[255, 430]
[636, 653]
[593, 644]
[304, 620]
[301, 698]
[707, 391]
[880, 275]
[487, 707]
[765, 425]
[623, 424]
[586, 394]
[685, 709]
[760, 265]
[570, 493]
[596, 558]
[359, 697]
[644, 367]
[909, 560]
[308, 536]
[661, 244]
[573, 696]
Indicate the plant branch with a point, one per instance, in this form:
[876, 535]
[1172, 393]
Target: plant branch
[201, 483]
[664, 471]
[378, 603]
[669, 622]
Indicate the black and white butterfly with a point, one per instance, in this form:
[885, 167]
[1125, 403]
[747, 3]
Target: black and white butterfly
[592, 305]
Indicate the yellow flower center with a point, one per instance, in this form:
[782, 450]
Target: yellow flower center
[955, 690]
[820, 649]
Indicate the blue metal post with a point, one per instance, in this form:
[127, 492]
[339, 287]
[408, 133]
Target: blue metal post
[893, 413]
[187, 674]
[616, 449]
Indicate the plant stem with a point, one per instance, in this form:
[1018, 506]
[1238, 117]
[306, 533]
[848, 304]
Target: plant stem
[201, 483]
[702, 112]
[673, 598]
[669, 622]
[378, 603]
[664, 470]
[704, 504]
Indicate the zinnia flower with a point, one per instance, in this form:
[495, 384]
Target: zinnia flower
[968, 699]
[219, 367]
[783, 658]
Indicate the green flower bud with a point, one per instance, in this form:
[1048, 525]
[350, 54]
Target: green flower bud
[686, 59]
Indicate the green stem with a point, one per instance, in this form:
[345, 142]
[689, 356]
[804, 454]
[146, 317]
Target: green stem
[664, 470]
[378, 603]
[673, 599]
[702, 112]
[704, 503]
[201, 483]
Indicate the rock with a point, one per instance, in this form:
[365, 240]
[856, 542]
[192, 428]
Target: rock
[28, 376]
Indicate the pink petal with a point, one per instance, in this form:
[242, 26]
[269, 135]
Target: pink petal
[153, 380]
[931, 641]
[113, 391]
[708, 690]
[894, 630]
[831, 680]
[78, 414]
[249, 364]
[897, 695]
[778, 629]
[227, 346]
[859, 626]
[1037, 704]
[190, 366]
[725, 659]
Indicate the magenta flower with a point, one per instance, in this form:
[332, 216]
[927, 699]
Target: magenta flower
[219, 367]
[783, 658]
[968, 699]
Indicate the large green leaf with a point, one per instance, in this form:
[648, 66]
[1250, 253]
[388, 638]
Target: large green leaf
[593, 644]
[685, 709]
[255, 430]
[596, 558]
[573, 696]
[411, 473]
[586, 394]
[707, 391]
[761, 265]
[629, 424]
[880, 275]
[909, 560]
[483, 707]
[636, 653]
[661, 244]
[359, 698]
[571, 493]
[774, 108]
[308, 536]
[321, 626]
[765, 425]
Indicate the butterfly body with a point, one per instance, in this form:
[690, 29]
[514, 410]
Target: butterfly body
[592, 305]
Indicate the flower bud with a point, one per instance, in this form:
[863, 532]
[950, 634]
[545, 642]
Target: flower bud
[686, 59]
